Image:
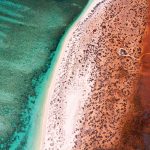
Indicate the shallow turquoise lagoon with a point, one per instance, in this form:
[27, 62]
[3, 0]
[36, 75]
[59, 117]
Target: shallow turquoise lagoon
[29, 34]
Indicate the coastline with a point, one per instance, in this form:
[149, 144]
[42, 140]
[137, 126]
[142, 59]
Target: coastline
[52, 79]
[48, 85]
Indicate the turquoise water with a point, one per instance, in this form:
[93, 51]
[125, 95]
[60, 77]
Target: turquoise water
[29, 33]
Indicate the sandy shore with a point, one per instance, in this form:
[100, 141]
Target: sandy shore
[92, 88]
[54, 69]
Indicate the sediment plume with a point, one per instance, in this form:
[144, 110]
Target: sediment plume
[93, 101]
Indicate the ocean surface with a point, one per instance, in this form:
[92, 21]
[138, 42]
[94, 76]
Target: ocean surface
[30, 31]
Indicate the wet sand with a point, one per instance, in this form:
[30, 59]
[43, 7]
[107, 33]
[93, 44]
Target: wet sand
[91, 98]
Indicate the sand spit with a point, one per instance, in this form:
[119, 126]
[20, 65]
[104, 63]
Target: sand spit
[93, 86]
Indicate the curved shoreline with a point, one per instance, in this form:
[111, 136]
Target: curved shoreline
[49, 77]
[123, 66]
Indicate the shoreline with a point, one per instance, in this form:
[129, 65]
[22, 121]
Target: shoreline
[51, 73]
[53, 80]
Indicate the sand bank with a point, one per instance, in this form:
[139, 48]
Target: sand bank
[93, 85]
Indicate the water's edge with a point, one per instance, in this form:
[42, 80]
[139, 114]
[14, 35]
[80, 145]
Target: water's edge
[36, 128]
